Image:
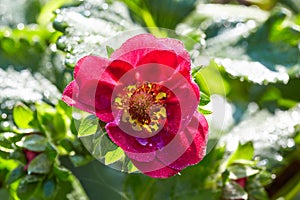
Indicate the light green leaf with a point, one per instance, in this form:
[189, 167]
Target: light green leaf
[109, 50]
[33, 142]
[22, 115]
[88, 126]
[40, 165]
[114, 156]
[243, 152]
[203, 111]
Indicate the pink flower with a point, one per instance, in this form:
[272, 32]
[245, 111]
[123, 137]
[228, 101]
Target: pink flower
[146, 95]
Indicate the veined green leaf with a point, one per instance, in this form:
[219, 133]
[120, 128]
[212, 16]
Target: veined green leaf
[88, 126]
[114, 156]
[40, 164]
[33, 142]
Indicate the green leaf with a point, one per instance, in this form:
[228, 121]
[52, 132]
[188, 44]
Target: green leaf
[204, 99]
[15, 174]
[22, 115]
[40, 165]
[36, 86]
[27, 187]
[60, 126]
[51, 152]
[49, 187]
[204, 112]
[109, 50]
[241, 46]
[90, 17]
[241, 171]
[114, 156]
[165, 14]
[243, 152]
[256, 190]
[18, 155]
[79, 160]
[33, 142]
[61, 173]
[4, 142]
[258, 127]
[88, 126]
[70, 188]
[232, 190]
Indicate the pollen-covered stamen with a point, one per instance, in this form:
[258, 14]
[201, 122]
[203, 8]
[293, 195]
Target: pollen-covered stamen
[142, 102]
[139, 106]
[143, 106]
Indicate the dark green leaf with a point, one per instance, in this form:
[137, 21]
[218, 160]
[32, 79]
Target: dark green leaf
[33, 142]
[232, 190]
[70, 188]
[40, 165]
[15, 174]
[51, 152]
[79, 160]
[88, 126]
[4, 142]
[27, 187]
[204, 99]
[256, 190]
[18, 155]
[49, 188]
[61, 173]
[165, 14]
[67, 145]
[22, 115]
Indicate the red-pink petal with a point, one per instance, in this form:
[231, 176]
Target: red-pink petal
[176, 46]
[188, 147]
[72, 97]
[144, 42]
[155, 169]
[132, 147]
[162, 57]
[117, 69]
[102, 101]
[90, 68]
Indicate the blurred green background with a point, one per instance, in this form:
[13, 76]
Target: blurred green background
[246, 56]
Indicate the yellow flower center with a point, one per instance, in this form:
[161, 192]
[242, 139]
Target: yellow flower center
[143, 106]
